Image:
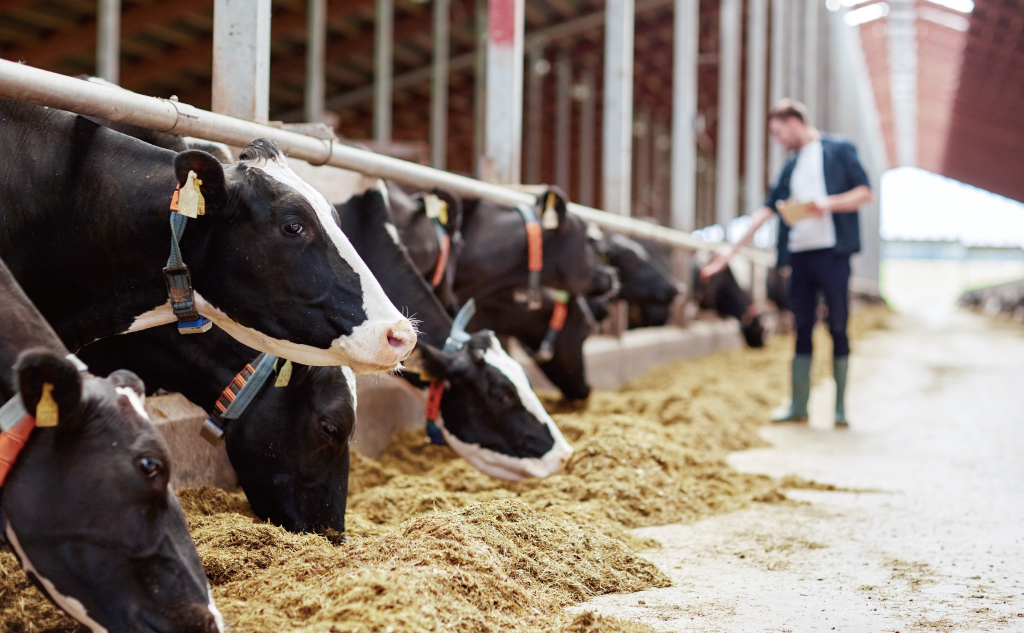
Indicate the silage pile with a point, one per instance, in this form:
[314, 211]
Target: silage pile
[434, 545]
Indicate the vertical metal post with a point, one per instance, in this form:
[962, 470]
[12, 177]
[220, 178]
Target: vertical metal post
[642, 194]
[903, 79]
[727, 167]
[617, 148]
[780, 50]
[812, 58]
[241, 58]
[685, 42]
[480, 85]
[439, 86]
[383, 69]
[796, 56]
[563, 120]
[757, 48]
[536, 70]
[587, 134]
[108, 40]
[504, 136]
[316, 43]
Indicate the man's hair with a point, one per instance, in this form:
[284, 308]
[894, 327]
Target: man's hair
[789, 109]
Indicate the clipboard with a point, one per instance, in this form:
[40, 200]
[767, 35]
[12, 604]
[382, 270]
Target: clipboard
[793, 211]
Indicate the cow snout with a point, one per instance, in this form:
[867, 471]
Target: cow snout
[401, 338]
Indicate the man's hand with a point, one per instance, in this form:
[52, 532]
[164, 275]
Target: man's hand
[821, 206]
[717, 265]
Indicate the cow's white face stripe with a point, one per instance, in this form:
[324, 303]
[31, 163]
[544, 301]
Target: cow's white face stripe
[217, 617]
[71, 606]
[393, 232]
[350, 380]
[506, 466]
[138, 402]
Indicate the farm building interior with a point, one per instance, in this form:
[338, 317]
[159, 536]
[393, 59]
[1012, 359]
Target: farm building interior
[666, 498]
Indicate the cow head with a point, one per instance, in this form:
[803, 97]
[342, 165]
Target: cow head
[643, 280]
[90, 515]
[319, 304]
[491, 416]
[569, 259]
[290, 448]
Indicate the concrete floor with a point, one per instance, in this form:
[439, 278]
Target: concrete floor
[933, 542]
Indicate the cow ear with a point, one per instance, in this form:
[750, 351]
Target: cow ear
[125, 378]
[454, 210]
[427, 361]
[207, 169]
[38, 368]
[554, 203]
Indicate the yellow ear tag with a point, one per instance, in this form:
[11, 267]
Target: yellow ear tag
[46, 411]
[436, 208]
[284, 374]
[190, 200]
[550, 218]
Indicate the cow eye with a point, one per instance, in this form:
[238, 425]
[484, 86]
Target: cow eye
[151, 467]
[293, 228]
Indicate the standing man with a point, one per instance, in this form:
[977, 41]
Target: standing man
[822, 170]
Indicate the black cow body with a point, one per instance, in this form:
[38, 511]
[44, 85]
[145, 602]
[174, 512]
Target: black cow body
[289, 448]
[490, 415]
[87, 507]
[84, 227]
[722, 294]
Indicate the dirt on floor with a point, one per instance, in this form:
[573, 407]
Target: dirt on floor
[436, 545]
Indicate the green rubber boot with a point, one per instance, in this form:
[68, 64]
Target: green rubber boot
[797, 411]
[839, 367]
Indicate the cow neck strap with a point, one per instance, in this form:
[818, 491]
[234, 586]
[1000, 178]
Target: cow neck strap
[16, 426]
[237, 397]
[535, 256]
[546, 351]
[444, 245]
[179, 279]
[457, 338]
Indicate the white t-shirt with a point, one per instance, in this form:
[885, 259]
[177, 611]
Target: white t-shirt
[807, 184]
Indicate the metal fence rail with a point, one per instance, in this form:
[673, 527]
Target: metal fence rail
[32, 85]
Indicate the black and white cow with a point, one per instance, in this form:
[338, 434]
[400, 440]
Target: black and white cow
[84, 227]
[423, 241]
[490, 414]
[722, 294]
[645, 282]
[86, 506]
[289, 448]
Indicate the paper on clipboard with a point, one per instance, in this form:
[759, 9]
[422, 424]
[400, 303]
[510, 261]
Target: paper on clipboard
[793, 211]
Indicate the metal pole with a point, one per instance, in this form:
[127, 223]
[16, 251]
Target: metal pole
[617, 149]
[480, 86]
[642, 191]
[685, 42]
[439, 86]
[796, 57]
[812, 58]
[316, 44]
[536, 69]
[108, 39]
[563, 120]
[780, 15]
[587, 134]
[757, 48]
[241, 58]
[727, 167]
[32, 85]
[503, 156]
[383, 69]
[903, 79]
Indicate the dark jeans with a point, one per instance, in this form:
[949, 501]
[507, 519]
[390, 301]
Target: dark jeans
[825, 272]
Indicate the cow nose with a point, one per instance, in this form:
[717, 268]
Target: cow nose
[402, 338]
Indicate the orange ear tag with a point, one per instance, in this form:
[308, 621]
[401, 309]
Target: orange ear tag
[47, 411]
